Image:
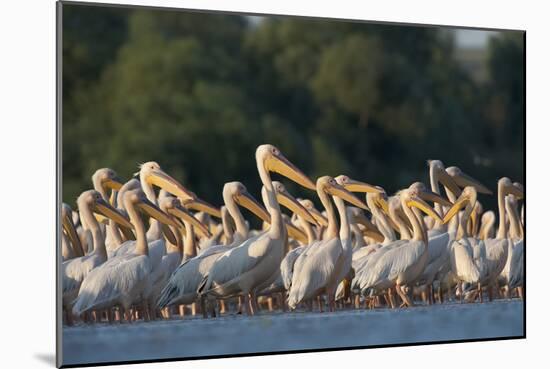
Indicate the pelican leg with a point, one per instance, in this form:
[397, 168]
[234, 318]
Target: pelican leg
[182, 310]
[392, 298]
[270, 303]
[357, 301]
[246, 303]
[439, 297]
[320, 303]
[520, 292]
[480, 291]
[223, 308]
[431, 298]
[406, 300]
[460, 291]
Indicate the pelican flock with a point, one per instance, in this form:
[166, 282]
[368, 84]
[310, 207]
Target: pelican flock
[151, 249]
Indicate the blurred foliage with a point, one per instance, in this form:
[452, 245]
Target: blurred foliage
[198, 92]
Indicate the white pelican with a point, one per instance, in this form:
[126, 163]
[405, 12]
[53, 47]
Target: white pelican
[402, 264]
[242, 269]
[499, 248]
[467, 254]
[327, 262]
[438, 175]
[183, 284]
[513, 270]
[123, 280]
[74, 271]
[174, 251]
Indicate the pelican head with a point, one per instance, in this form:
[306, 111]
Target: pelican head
[106, 178]
[320, 218]
[356, 186]
[427, 195]
[172, 206]
[463, 180]
[152, 174]
[136, 199]
[506, 185]
[239, 194]
[288, 201]
[93, 200]
[437, 170]
[271, 159]
[329, 185]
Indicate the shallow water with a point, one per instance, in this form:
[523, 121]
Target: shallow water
[237, 334]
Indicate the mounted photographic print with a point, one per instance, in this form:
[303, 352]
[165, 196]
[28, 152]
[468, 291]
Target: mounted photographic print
[239, 184]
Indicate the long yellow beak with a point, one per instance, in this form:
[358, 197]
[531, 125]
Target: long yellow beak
[288, 201]
[161, 179]
[457, 206]
[113, 183]
[357, 186]
[153, 211]
[248, 201]
[296, 233]
[463, 180]
[446, 180]
[515, 190]
[370, 229]
[68, 226]
[201, 205]
[105, 209]
[428, 195]
[281, 165]
[186, 216]
[341, 192]
[320, 218]
[417, 202]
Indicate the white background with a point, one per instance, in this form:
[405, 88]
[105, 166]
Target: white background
[27, 164]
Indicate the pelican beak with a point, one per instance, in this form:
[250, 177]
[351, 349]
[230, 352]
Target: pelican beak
[319, 218]
[248, 201]
[417, 202]
[113, 183]
[288, 201]
[383, 204]
[167, 232]
[280, 164]
[428, 195]
[446, 180]
[341, 192]
[201, 205]
[376, 236]
[105, 209]
[153, 211]
[186, 216]
[514, 190]
[370, 229]
[127, 233]
[112, 199]
[357, 186]
[161, 179]
[464, 180]
[457, 206]
[296, 233]
[68, 226]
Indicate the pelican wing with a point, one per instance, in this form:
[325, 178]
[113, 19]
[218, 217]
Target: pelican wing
[315, 272]
[113, 280]
[74, 271]
[236, 262]
[184, 282]
[287, 265]
[462, 261]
